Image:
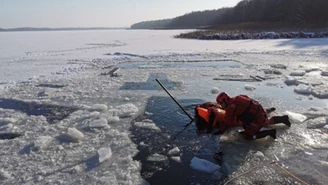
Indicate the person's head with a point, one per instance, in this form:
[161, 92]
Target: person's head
[223, 99]
[201, 122]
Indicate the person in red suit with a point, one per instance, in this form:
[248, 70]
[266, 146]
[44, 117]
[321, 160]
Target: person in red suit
[250, 114]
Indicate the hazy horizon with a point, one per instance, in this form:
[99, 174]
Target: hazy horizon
[103, 13]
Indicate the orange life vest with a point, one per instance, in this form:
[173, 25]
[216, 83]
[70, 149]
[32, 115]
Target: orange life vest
[219, 114]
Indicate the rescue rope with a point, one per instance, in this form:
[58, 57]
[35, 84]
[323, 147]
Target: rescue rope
[273, 162]
[241, 175]
[289, 173]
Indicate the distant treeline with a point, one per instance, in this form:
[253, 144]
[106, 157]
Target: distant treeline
[55, 29]
[296, 12]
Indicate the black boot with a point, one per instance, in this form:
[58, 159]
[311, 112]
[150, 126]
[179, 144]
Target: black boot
[264, 133]
[282, 119]
[270, 110]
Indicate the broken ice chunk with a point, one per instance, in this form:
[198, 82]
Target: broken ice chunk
[296, 117]
[113, 119]
[176, 159]
[249, 87]
[126, 110]
[203, 165]
[303, 89]
[4, 175]
[317, 122]
[99, 107]
[297, 73]
[174, 151]
[259, 154]
[324, 73]
[290, 80]
[99, 123]
[147, 125]
[42, 142]
[104, 154]
[156, 158]
[75, 134]
[215, 90]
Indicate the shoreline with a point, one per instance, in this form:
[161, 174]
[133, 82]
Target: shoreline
[224, 35]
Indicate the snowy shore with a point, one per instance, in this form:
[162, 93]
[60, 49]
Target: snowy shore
[209, 35]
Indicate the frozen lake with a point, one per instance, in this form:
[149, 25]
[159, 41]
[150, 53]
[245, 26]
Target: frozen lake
[77, 125]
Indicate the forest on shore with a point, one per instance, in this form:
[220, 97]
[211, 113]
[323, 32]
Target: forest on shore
[250, 15]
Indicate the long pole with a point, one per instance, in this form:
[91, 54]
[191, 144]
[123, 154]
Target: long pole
[174, 100]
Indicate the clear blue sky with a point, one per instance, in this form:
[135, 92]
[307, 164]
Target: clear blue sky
[97, 13]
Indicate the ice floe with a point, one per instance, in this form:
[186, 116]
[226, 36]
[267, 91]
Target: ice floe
[317, 122]
[174, 151]
[74, 134]
[104, 154]
[203, 165]
[296, 116]
[157, 158]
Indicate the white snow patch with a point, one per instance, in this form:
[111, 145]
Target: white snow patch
[176, 159]
[296, 117]
[147, 125]
[249, 87]
[99, 123]
[215, 90]
[157, 158]
[42, 142]
[297, 73]
[104, 154]
[75, 134]
[303, 89]
[174, 151]
[203, 165]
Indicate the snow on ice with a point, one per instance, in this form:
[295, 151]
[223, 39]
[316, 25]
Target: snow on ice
[64, 73]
